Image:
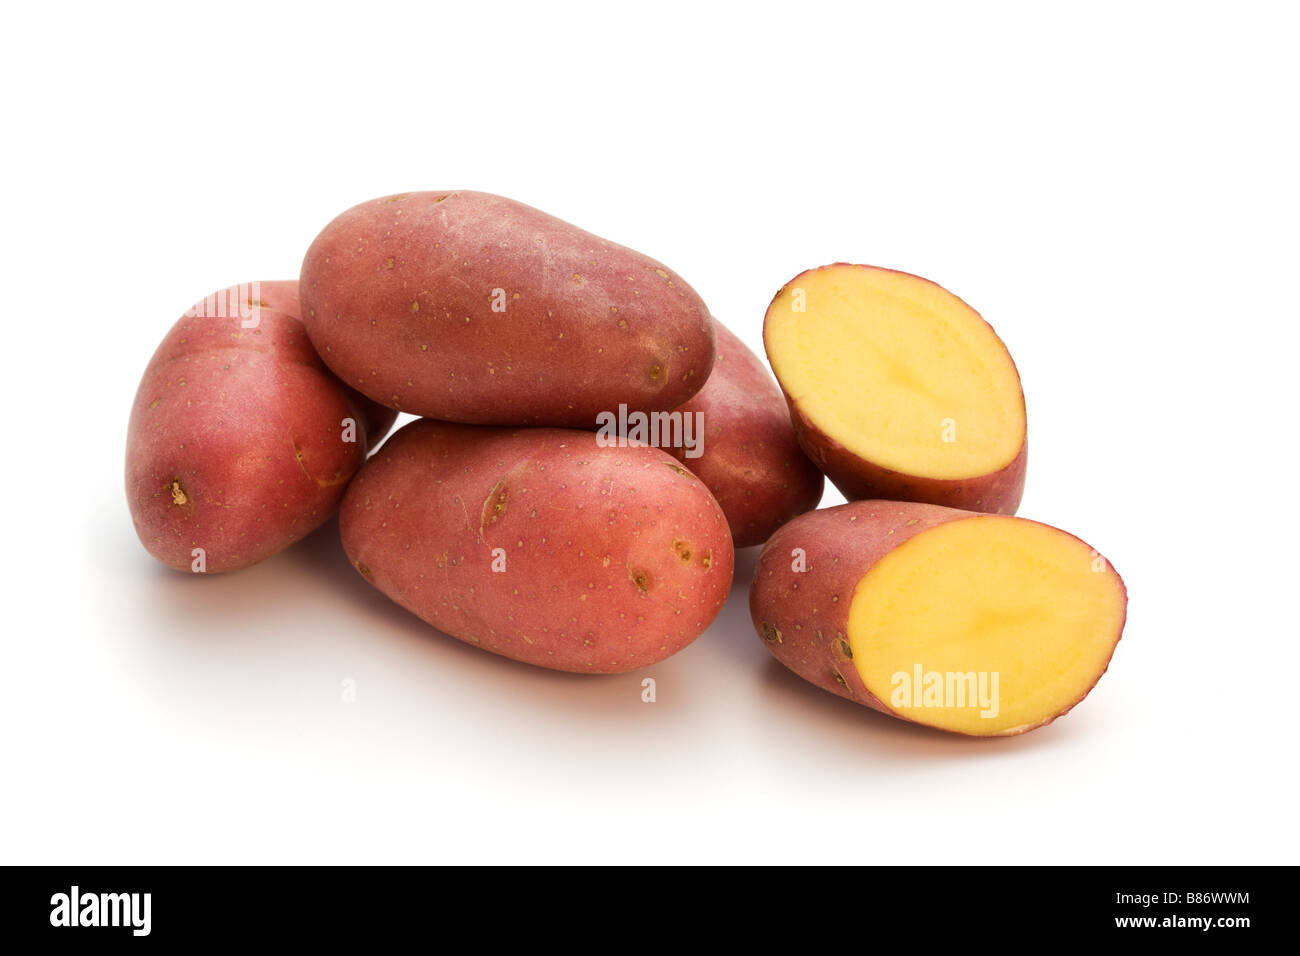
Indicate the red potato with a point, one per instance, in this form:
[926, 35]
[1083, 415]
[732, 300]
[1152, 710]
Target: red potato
[751, 459]
[540, 544]
[469, 307]
[977, 624]
[238, 443]
[898, 389]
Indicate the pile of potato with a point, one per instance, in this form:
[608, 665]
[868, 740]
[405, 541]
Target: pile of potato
[593, 445]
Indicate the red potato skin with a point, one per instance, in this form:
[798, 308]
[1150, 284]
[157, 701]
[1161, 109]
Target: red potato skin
[751, 460]
[615, 557]
[282, 296]
[235, 441]
[858, 478]
[802, 617]
[398, 295]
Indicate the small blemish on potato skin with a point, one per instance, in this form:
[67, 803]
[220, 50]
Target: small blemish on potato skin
[179, 497]
[494, 506]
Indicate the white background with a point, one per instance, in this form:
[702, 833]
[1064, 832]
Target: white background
[1114, 188]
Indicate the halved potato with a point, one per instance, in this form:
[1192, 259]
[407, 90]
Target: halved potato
[898, 389]
[978, 624]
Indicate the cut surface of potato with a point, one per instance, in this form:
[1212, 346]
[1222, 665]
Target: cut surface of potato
[1011, 611]
[898, 388]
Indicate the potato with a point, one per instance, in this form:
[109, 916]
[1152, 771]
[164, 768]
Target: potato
[750, 458]
[977, 624]
[540, 544]
[469, 307]
[237, 444]
[898, 389]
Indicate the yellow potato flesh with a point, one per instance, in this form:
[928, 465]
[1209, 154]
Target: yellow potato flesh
[985, 625]
[898, 370]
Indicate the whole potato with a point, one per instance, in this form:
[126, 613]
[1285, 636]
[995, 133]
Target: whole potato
[541, 544]
[750, 457]
[977, 624]
[469, 307]
[238, 443]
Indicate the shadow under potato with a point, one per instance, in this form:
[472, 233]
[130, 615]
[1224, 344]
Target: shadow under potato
[307, 616]
[254, 639]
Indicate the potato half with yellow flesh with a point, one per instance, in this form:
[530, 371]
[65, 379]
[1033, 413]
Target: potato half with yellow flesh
[977, 624]
[898, 389]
